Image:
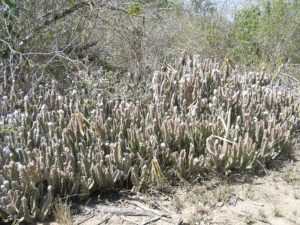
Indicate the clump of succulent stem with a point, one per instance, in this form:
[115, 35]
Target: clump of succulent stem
[192, 120]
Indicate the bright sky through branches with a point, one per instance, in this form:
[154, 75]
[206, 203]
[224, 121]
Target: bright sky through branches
[228, 7]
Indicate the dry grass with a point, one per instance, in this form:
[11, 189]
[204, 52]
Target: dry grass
[249, 191]
[296, 195]
[62, 213]
[277, 212]
[249, 219]
[178, 203]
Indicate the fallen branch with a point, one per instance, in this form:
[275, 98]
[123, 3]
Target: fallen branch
[146, 208]
[130, 221]
[135, 212]
[264, 221]
[151, 220]
[86, 219]
[124, 211]
[105, 220]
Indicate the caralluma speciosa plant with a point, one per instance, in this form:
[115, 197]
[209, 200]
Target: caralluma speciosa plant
[193, 120]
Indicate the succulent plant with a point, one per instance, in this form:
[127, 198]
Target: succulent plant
[192, 120]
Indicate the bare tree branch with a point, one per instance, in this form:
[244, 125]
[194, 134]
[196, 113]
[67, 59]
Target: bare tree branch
[57, 17]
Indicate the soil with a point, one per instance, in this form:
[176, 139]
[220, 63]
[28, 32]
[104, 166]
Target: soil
[270, 199]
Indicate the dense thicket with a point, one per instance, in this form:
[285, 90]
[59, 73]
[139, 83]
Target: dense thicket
[267, 33]
[42, 40]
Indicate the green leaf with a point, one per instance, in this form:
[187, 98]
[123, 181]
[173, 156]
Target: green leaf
[134, 10]
[9, 3]
[49, 35]
[12, 7]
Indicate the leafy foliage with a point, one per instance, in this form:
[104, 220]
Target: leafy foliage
[267, 33]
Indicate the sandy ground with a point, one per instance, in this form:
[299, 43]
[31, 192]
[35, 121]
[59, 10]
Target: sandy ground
[270, 199]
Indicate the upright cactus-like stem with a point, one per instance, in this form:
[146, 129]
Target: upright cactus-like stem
[192, 120]
[228, 124]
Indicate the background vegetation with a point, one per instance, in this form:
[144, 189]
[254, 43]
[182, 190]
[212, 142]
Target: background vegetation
[42, 40]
